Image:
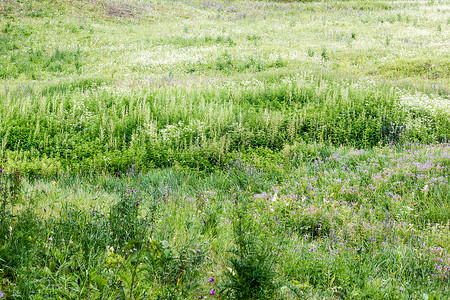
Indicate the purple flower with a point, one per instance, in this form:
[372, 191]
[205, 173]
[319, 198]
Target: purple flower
[137, 203]
[212, 292]
[212, 280]
[200, 297]
[1, 170]
[1, 294]
[312, 250]
[118, 173]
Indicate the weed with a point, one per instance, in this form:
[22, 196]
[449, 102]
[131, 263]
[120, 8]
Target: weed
[123, 219]
[324, 54]
[391, 131]
[250, 274]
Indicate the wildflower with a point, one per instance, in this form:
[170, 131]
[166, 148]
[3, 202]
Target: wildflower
[50, 239]
[137, 203]
[200, 297]
[212, 280]
[1, 294]
[212, 292]
[118, 173]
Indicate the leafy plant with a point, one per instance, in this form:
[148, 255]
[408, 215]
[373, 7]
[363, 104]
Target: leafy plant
[250, 273]
[123, 219]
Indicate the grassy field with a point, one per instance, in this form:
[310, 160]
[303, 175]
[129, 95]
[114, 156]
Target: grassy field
[156, 149]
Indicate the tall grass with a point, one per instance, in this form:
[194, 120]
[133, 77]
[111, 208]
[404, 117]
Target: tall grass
[336, 222]
[79, 125]
[245, 150]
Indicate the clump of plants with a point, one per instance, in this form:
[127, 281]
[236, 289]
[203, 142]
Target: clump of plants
[250, 272]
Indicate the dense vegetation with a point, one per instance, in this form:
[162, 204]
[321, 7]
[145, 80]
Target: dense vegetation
[224, 149]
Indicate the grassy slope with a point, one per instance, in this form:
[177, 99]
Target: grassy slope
[132, 40]
[258, 87]
[218, 63]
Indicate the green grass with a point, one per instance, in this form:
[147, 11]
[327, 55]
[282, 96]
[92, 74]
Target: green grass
[351, 224]
[229, 150]
[75, 125]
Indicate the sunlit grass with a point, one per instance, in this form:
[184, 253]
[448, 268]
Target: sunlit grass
[192, 149]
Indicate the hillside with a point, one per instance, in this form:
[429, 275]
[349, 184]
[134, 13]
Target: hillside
[159, 149]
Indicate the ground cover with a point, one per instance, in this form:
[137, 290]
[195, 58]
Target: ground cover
[224, 149]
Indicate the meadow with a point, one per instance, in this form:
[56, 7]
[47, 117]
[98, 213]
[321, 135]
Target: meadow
[162, 149]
